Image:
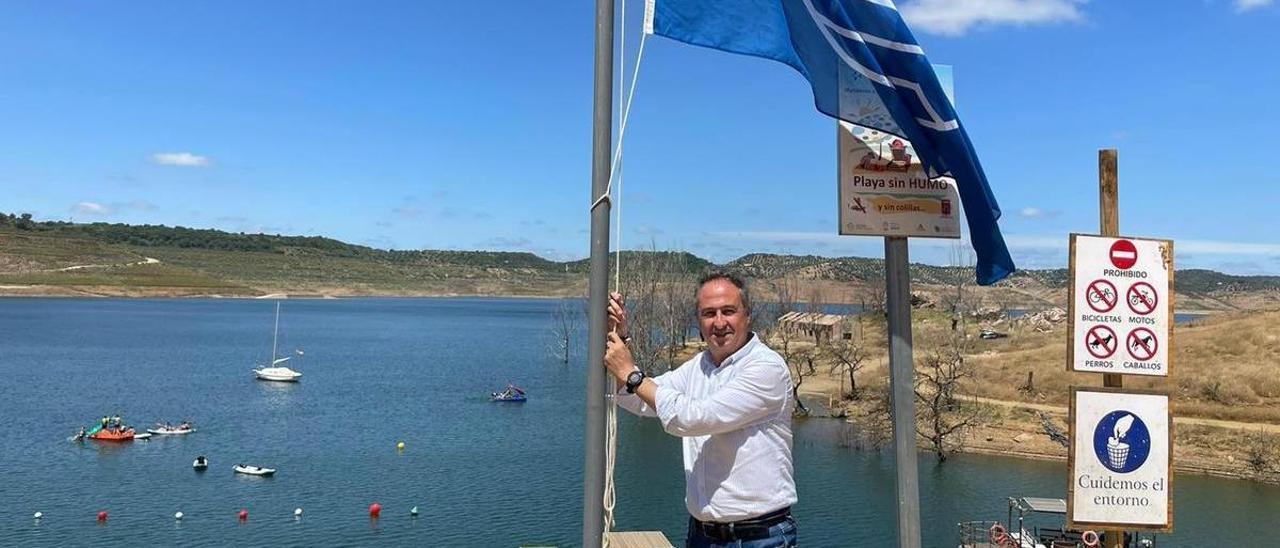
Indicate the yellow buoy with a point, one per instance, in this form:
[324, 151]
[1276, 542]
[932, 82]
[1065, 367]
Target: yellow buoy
[400, 446]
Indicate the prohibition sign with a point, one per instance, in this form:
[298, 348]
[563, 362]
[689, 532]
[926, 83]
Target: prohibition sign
[1100, 341]
[1142, 298]
[1101, 295]
[1142, 344]
[1124, 254]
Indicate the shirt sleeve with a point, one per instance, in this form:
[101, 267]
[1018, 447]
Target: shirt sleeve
[758, 391]
[637, 406]
[633, 403]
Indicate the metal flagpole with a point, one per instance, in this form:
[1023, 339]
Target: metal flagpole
[597, 295]
[902, 379]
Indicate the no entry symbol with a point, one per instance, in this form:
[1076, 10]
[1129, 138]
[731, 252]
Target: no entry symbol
[1142, 344]
[1101, 295]
[1101, 341]
[1142, 298]
[1124, 254]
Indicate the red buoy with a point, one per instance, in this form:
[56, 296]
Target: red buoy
[244, 515]
[102, 516]
[374, 510]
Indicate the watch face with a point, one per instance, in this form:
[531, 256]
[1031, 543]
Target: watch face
[633, 381]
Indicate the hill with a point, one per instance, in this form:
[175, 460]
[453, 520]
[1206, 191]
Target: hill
[117, 259]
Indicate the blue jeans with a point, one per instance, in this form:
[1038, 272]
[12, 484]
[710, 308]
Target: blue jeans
[782, 535]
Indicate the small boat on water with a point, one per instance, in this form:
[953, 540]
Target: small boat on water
[143, 436]
[114, 434]
[1018, 531]
[254, 470]
[512, 393]
[200, 464]
[166, 429]
[276, 371]
[278, 374]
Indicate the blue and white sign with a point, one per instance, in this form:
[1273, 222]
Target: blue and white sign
[1122, 442]
[1120, 447]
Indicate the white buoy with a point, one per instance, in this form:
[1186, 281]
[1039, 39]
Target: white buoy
[297, 512]
[178, 516]
[38, 515]
[413, 511]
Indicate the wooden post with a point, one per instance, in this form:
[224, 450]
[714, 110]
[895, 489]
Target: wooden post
[1109, 225]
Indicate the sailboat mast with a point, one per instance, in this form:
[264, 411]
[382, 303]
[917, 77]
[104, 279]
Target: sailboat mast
[275, 334]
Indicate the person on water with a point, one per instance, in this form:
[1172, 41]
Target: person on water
[105, 421]
[731, 406]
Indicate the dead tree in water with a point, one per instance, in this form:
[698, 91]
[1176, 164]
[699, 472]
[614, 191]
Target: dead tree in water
[565, 320]
[945, 419]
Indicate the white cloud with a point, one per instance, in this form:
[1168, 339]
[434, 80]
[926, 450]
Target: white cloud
[1032, 212]
[181, 159]
[1246, 5]
[91, 208]
[956, 17]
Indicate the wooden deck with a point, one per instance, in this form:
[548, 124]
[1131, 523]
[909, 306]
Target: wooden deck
[637, 539]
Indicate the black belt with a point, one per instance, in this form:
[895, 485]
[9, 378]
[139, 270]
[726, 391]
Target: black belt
[746, 529]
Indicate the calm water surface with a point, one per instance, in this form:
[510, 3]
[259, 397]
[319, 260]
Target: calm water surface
[378, 371]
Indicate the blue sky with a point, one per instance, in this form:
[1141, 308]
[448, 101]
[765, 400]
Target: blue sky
[466, 125]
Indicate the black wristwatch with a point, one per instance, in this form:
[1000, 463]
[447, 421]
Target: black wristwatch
[633, 381]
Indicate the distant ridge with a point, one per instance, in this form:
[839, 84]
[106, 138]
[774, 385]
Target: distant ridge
[35, 250]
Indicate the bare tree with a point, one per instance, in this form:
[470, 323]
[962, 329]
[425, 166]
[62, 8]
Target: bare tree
[847, 357]
[1261, 455]
[945, 371]
[566, 322]
[677, 303]
[801, 361]
[799, 356]
[660, 305]
[945, 419]
[961, 300]
[875, 293]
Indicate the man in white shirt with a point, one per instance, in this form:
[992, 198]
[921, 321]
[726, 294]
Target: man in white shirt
[731, 405]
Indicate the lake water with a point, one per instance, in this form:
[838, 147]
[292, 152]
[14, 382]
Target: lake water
[379, 371]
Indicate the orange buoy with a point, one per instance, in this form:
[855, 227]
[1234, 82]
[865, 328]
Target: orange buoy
[244, 515]
[102, 515]
[374, 510]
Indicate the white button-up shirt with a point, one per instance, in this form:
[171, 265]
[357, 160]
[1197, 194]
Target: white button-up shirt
[735, 421]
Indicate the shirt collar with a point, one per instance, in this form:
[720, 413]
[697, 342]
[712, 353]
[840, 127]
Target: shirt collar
[736, 356]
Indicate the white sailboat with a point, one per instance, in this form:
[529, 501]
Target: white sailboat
[276, 371]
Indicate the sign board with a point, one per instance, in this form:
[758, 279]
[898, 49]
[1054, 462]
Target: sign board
[1120, 460]
[883, 189]
[1120, 305]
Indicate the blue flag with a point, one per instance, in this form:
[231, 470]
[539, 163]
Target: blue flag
[865, 68]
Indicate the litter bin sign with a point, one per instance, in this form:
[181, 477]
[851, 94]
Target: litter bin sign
[1120, 456]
